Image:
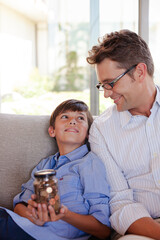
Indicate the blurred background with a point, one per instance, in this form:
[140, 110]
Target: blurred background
[44, 45]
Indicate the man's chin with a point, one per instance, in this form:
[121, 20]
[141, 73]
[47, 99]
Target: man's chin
[119, 109]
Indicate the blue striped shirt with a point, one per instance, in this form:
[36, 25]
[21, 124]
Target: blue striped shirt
[130, 149]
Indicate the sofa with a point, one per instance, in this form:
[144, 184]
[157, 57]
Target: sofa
[24, 141]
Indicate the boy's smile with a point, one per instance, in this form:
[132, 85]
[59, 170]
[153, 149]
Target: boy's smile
[71, 130]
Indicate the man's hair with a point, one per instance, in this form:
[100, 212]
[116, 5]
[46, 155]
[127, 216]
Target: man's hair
[71, 105]
[125, 47]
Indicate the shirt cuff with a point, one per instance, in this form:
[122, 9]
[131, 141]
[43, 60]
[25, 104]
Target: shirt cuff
[22, 197]
[124, 217]
[101, 213]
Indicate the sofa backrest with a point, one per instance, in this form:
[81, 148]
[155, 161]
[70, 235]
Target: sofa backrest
[24, 141]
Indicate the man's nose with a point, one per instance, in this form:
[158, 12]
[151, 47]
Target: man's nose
[107, 93]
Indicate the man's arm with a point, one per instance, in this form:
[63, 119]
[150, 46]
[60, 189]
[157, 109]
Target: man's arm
[125, 211]
[145, 227]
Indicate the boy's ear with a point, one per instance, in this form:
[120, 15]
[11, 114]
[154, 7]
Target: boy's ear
[51, 131]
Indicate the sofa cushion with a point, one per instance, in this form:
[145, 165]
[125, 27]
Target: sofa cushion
[24, 141]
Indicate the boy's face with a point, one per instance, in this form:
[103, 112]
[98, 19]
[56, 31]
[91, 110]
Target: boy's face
[71, 128]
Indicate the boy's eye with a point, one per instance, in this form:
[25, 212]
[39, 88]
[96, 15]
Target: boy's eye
[64, 116]
[81, 118]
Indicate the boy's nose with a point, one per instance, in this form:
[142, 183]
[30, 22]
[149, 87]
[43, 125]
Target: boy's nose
[72, 121]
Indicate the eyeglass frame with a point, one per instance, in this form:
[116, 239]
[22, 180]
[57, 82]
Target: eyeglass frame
[111, 84]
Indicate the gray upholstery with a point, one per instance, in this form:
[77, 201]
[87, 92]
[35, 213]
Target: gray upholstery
[24, 141]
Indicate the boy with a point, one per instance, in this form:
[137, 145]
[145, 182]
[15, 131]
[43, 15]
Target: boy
[83, 188]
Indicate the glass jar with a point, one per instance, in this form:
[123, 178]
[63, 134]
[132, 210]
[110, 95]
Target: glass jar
[46, 188]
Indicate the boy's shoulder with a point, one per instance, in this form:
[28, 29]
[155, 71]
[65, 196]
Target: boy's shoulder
[91, 165]
[92, 158]
[45, 162]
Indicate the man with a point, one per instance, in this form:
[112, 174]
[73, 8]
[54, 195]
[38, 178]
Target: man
[127, 135]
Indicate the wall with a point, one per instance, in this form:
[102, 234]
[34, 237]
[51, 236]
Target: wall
[17, 47]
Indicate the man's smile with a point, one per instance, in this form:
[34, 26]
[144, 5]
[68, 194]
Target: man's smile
[116, 99]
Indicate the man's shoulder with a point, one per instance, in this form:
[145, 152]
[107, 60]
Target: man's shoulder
[109, 114]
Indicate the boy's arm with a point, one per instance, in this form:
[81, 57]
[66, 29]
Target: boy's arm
[22, 210]
[86, 223]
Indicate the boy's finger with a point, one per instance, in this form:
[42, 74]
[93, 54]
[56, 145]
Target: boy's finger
[33, 196]
[39, 212]
[45, 213]
[34, 213]
[51, 213]
[32, 203]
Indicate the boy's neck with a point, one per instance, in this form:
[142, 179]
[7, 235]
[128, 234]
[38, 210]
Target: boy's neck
[64, 149]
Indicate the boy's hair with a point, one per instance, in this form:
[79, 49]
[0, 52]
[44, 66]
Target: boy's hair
[71, 105]
[125, 47]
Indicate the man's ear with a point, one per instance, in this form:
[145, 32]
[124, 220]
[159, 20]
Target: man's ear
[141, 71]
[51, 131]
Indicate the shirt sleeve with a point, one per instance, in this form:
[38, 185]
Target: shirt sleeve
[124, 209]
[96, 189]
[28, 188]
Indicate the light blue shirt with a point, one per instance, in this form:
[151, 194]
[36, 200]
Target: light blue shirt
[83, 189]
[129, 146]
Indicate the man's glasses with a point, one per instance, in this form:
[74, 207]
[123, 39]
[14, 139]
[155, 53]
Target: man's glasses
[110, 85]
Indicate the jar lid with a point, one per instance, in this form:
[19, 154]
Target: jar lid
[45, 173]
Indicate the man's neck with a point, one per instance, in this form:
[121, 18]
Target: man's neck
[145, 107]
[139, 112]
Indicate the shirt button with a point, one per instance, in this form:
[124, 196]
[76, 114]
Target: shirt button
[154, 154]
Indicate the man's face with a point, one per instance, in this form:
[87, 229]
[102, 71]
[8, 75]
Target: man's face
[71, 128]
[125, 92]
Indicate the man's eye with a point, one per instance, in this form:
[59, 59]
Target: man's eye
[109, 81]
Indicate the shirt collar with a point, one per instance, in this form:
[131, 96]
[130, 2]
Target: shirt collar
[75, 154]
[126, 116]
[78, 153]
[56, 156]
[157, 99]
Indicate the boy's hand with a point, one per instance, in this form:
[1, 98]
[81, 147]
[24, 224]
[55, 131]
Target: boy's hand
[55, 217]
[41, 214]
[32, 211]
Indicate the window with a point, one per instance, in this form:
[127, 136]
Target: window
[116, 15]
[44, 45]
[154, 36]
